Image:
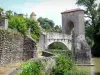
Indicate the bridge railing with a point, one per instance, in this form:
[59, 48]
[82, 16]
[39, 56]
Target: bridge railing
[53, 35]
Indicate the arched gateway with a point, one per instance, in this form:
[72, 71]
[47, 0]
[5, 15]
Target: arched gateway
[72, 36]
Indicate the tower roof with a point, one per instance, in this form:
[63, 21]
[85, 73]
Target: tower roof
[72, 10]
[33, 14]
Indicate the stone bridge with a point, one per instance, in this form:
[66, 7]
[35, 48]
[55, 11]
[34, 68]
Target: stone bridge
[72, 24]
[48, 38]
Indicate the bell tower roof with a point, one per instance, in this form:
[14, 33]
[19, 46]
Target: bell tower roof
[72, 10]
[33, 14]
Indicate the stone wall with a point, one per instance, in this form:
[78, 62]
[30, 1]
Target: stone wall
[29, 48]
[15, 47]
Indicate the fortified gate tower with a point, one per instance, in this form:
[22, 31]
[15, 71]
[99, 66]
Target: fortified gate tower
[73, 24]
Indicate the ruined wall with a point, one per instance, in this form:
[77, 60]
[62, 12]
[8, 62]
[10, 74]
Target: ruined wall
[29, 48]
[13, 47]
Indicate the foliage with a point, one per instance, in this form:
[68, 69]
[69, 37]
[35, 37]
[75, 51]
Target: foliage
[1, 11]
[92, 12]
[66, 53]
[31, 68]
[46, 24]
[38, 66]
[57, 45]
[57, 29]
[46, 67]
[34, 36]
[9, 14]
[22, 25]
[96, 47]
[18, 23]
[63, 64]
[34, 26]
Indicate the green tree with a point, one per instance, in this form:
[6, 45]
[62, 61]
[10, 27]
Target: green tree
[22, 25]
[96, 46]
[46, 24]
[92, 24]
[34, 26]
[18, 23]
[9, 13]
[1, 10]
[57, 29]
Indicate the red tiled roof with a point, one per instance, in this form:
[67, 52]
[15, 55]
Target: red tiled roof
[72, 10]
[33, 14]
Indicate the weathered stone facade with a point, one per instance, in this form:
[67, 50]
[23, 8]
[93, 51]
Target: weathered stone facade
[73, 23]
[29, 48]
[15, 47]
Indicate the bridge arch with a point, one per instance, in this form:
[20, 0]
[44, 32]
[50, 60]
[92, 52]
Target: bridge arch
[57, 45]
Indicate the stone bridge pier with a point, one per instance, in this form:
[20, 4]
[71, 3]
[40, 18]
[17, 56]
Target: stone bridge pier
[73, 22]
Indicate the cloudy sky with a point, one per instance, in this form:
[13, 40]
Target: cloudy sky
[43, 8]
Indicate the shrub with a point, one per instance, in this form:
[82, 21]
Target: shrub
[63, 64]
[31, 68]
[34, 36]
[40, 66]
[66, 53]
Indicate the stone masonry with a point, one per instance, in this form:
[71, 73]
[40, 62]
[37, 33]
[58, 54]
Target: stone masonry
[15, 47]
[73, 23]
[48, 38]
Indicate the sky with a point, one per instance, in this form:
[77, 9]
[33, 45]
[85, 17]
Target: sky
[43, 8]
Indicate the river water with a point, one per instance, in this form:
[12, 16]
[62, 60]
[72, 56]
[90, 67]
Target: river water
[95, 70]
